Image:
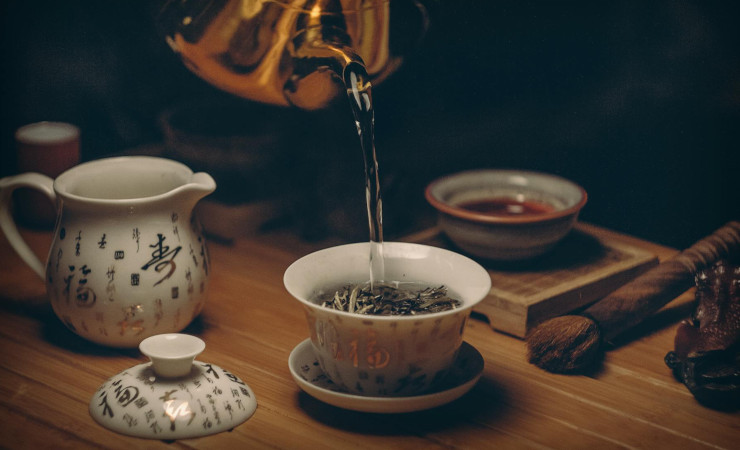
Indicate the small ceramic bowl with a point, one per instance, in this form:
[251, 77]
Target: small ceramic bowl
[393, 355]
[505, 215]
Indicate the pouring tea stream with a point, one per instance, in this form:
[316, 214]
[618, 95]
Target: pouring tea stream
[302, 54]
[128, 258]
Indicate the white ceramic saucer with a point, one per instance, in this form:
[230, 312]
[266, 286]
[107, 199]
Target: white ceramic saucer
[307, 373]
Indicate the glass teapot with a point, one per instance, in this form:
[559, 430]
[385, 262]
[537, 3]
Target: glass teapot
[291, 52]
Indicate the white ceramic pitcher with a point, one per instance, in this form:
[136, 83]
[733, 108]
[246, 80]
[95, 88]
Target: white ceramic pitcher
[128, 259]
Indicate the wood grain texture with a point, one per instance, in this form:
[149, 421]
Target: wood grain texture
[250, 325]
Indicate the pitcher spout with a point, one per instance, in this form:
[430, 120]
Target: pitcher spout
[203, 182]
[200, 185]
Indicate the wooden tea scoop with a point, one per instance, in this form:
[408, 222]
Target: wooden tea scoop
[573, 343]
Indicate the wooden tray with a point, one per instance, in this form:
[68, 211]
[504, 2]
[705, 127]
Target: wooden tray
[587, 265]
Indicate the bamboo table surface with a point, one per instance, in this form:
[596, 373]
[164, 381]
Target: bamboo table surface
[250, 325]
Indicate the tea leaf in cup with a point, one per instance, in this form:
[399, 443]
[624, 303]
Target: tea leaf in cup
[386, 299]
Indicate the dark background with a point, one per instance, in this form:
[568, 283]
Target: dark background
[639, 102]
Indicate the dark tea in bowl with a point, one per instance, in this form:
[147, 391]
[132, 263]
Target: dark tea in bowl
[505, 215]
[395, 353]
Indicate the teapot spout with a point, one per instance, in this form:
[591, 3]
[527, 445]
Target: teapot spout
[318, 73]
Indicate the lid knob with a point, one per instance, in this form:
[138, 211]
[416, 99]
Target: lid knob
[172, 354]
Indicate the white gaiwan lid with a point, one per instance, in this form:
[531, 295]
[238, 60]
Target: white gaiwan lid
[173, 396]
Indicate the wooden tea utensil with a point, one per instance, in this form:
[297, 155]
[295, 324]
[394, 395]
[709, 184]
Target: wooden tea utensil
[574, 343]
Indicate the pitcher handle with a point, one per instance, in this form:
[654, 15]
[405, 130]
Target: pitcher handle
[8, 185]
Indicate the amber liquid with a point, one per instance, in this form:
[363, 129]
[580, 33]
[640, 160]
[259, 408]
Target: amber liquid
[359, 91]
[507, 207]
